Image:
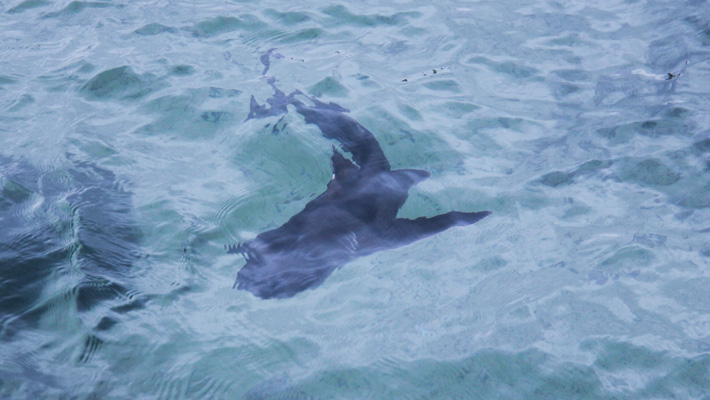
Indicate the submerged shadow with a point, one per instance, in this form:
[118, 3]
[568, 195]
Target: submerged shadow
[66, 234]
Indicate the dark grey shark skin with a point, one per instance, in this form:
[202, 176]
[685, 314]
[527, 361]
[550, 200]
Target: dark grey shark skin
[355, 216]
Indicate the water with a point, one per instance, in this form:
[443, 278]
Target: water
[126, 165]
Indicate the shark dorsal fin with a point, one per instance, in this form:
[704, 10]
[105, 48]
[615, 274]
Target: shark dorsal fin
[342, 167]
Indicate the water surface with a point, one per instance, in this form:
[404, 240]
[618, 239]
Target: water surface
[126, 164]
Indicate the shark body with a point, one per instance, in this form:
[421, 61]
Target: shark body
[355, 216]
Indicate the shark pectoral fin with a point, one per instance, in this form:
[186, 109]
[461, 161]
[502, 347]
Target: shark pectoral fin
[410, 176]
[410, 230]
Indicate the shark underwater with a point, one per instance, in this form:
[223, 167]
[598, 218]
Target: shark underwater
[354, 217]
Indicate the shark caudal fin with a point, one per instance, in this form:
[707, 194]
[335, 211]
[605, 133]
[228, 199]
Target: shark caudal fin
[330, 118]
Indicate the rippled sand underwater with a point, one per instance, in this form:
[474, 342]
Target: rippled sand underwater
[126, 165]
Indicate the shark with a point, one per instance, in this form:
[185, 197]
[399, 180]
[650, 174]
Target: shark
[356, 215]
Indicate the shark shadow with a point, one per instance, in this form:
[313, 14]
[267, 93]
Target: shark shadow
[56, 222]
[355, 216]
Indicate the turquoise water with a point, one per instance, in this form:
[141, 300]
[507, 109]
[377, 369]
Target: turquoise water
[126, 165]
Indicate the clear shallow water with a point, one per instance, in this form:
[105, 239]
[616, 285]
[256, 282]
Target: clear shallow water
[125, 166]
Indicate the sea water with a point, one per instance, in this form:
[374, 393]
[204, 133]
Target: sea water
[126, 165]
